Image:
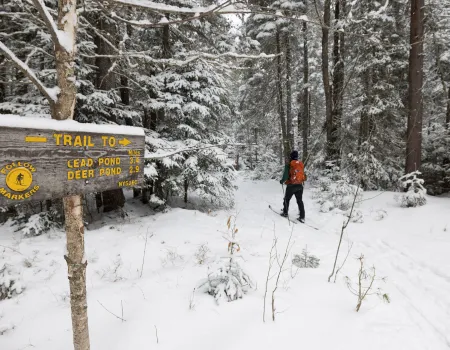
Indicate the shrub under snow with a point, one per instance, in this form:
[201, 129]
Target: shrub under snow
[9, 282]
[305, 260]
[415, 195]
[336, 193]
[37, 224]
[229, 282]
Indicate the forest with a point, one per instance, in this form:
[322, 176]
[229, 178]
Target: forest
[224, 92]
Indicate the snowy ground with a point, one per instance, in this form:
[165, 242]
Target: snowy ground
[409, 246]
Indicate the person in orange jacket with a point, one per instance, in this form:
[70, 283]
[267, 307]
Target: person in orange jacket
[294, 177]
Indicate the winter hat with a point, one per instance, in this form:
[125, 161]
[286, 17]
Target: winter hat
[294, 155]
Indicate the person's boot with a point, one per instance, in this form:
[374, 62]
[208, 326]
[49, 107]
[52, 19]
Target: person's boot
[283, 214]
[302, 220]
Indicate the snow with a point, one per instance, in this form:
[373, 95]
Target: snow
[66, 40]
[54, 92]
[8, 120]
[408, 246]
[164, 20]
[160, 7]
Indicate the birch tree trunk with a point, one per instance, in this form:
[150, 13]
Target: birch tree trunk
[73, 210]
[76, 263]
[415, 79]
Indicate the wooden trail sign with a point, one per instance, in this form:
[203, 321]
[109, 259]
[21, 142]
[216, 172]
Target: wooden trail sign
[42, 159]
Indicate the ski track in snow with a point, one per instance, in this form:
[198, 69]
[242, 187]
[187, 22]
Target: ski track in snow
[431, 290]
[312, 314]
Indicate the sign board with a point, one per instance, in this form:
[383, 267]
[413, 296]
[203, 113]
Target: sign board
[42, 159]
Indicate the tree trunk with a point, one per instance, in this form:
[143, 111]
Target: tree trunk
[63, 109]
[366, 122]
[415, 80]
[166, 52]
[186, 187]
[284, 136]
[76, 263]
[447, 119]
[146, 195]
[106, 80]
[256, 145]
[124, 90]
[326, 74]
[337, 89]
[289, 129]
[305, 119]
[4, 76]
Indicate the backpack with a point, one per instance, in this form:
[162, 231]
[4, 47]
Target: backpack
[296, 173]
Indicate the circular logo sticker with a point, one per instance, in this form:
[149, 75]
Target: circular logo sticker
[19, 179]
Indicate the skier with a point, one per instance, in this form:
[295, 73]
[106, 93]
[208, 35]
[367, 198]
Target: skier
[294, 177]
[19, 179]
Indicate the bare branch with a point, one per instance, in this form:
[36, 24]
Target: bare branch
[344, 226]
[271, 258]
[28, 72]
[120, 318]
[286, 253]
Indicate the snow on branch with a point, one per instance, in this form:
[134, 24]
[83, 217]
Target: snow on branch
[235, 55]
[226, 8]
[158, 155]
[59, 37]
[50, 94]
[181, 63]
[163, 8]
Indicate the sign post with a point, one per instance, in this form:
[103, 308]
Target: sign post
[43, 159]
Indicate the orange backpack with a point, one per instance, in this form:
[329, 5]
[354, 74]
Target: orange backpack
[296, 173]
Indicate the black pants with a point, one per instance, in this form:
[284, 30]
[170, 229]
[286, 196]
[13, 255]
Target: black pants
[292, 190]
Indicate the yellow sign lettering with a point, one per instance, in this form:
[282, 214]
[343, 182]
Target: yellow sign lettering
[57, 139]
[109, 161]
[80, 163]
[109, 140]
[67, 140]
[80, 174]
[77, 141]
[128, 183]
[110, 171]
